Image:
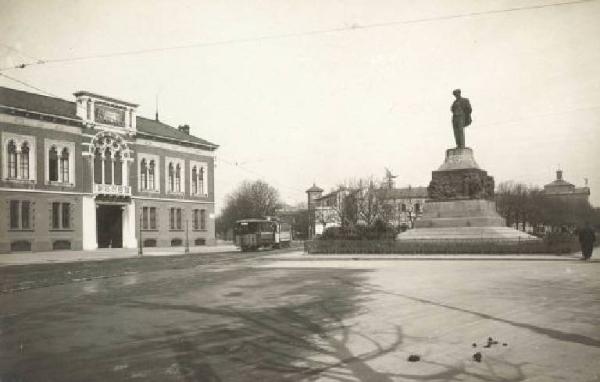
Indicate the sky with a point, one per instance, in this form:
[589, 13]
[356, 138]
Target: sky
[313, 91]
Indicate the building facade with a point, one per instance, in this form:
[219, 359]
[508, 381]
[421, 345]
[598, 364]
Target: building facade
[91, 174]
[560, 188]
[404, 205]
[400, 207]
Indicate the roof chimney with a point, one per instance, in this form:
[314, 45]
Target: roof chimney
[184, 129]
[558, 174]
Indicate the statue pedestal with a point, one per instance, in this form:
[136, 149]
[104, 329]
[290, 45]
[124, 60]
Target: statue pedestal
[460, 177]
[461, 206]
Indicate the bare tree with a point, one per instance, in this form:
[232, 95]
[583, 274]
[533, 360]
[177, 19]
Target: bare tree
[371, 204]
[251, 199]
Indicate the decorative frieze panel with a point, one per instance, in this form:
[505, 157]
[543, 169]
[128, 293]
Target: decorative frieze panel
[461, 184]
[112, 189]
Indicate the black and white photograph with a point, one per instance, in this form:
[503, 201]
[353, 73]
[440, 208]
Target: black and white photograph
[300, 190]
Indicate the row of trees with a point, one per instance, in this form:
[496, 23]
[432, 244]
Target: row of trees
[363, 208]
[523, 206]
[359, 208]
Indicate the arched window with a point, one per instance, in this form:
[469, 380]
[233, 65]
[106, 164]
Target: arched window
[98, 166]
[25, 161]
[178, 178]
[64, 165]
[201, 181]
[171, 178]
[12, 160]
[194, 181]
[151, 176]
[143, 177]
[107, 166]
[118, 168]
[403, 207]
[53, 164]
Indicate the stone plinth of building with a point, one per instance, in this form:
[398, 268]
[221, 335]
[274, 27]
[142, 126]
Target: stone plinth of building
[461, 206]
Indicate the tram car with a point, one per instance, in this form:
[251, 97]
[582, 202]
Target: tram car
[252, 234]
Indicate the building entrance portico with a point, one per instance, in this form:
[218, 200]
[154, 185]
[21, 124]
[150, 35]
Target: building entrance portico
[109, 225]
[109, 213]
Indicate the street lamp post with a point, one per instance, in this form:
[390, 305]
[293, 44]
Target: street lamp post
[187, 239]
[140, 242]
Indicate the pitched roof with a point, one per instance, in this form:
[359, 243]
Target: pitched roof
[406, 192]
[157, 128]
[314, 188]
[36, 102]
[60, 107]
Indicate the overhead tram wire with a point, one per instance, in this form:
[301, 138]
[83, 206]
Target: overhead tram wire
[292, 34]
[29, 85]
[9, 47]
[237, 165]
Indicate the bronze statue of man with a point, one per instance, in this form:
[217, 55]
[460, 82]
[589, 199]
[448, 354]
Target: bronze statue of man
[461, 117]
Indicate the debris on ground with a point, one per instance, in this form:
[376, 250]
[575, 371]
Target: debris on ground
[414, 358]
[477, 357]
[490, 342]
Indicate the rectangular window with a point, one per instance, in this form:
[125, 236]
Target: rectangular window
[196, 219]
[202, 219]
[152, 217]
[66, 215]
[14, 214]
[61, 215]
[55, 215]
[179, 218]
[172, 218]
[145, 218]
[25, 224]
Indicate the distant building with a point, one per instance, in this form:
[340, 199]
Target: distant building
[312, 194]
[327, 210]
[401, 206]
[405, 205]
[91, 173]
[560, 188]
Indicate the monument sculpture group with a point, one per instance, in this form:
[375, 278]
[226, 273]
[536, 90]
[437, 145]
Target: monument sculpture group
[460, 203]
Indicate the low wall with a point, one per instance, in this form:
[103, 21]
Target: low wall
[437, 247]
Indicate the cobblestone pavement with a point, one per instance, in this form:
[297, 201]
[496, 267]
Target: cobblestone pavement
[259, 319]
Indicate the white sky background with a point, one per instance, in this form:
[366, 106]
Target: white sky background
[329, 107]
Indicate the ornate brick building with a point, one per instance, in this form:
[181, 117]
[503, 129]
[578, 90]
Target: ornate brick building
[91, 173]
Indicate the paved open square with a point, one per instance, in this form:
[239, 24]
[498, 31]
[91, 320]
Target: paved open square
[270, 319]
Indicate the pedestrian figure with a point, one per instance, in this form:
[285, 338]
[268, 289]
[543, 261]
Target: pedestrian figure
[587, 237]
